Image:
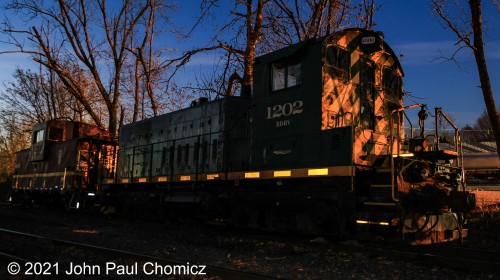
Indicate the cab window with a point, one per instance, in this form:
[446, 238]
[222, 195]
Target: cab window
[391, 81]
[367, 93]
[339, 60]
[286, 74]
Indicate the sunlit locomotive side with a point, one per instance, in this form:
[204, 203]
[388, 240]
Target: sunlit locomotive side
[64, 165]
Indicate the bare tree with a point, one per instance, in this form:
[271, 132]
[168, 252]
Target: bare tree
[469, 31]
[292, 21]
[13, 137]
[149, 71]
[245, 23]
[483, 122]
[260, 26]
[72, 37]
[366, 13]
[483, 126]
[35, 98]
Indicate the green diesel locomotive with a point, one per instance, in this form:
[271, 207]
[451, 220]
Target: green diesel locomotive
[317, 145]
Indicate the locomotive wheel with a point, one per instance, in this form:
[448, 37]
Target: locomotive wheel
[240, 215]
[246, 215]
[162, 214]
[324, 219]
[27, 201]
[126, 209]
[272, 220]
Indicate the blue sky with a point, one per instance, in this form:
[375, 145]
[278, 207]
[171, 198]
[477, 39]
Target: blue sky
[412, 30]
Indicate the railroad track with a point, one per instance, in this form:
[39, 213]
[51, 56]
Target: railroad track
[331, 258]
[452, 256]
[37, 255]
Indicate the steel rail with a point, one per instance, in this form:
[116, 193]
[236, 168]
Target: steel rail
[223, 273]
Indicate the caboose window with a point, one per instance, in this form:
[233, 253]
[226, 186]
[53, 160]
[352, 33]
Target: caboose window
[38, 137]
[286, 73]
[56, 134]
[339, 60]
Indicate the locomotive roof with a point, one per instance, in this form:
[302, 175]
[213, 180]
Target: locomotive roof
[295, 48]
[286, 51]
[76, 129]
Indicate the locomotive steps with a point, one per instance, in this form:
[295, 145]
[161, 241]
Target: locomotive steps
[374, 202]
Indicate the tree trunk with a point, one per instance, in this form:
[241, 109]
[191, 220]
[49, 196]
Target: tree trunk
[489, 101]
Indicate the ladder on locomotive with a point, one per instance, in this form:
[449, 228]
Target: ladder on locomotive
[375, 204]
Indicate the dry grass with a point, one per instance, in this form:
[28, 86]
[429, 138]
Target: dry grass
[484, 222]
[487, 198]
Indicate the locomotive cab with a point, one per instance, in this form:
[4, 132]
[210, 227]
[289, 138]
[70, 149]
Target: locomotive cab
[326, 102]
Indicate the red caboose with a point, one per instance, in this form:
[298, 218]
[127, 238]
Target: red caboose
[65, 164]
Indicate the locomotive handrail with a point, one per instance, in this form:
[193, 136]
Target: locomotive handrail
[391, 124]
[353, 174]
[450, 122]
[398, 151]
[410, 123]
[438, 113]
[457, 141]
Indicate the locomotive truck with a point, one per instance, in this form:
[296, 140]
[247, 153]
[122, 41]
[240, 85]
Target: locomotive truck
[317, 145]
